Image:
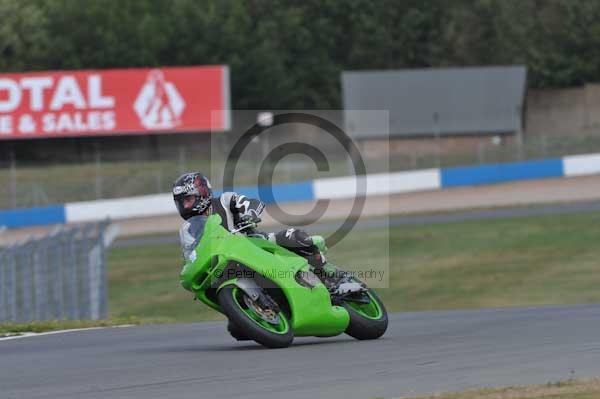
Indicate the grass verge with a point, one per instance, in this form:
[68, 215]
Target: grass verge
[572, 389]
[8, 329]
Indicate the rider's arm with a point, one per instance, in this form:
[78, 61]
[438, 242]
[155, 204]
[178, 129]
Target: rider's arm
[232, 206]
[240, 205]
[244, 210]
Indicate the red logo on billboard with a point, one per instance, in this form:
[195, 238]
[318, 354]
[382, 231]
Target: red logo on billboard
[159, 104]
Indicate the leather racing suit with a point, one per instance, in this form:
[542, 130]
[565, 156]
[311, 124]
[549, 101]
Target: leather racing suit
[234, 209]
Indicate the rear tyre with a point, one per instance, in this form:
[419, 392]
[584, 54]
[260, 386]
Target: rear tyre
[367, 321]
[276, 333]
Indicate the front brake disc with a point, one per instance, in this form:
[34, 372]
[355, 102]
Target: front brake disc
[267, 315]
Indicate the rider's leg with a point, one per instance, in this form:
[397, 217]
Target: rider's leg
[300, 242]
[311, 248]
[297, 241]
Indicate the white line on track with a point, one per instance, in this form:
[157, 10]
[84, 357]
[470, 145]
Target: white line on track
[32, 334]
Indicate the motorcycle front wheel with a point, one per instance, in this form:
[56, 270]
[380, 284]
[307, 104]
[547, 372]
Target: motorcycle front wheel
[272, 330]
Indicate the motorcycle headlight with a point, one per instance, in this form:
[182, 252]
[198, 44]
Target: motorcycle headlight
[307, 279]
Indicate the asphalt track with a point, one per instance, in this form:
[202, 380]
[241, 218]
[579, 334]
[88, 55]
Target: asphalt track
[421, 353]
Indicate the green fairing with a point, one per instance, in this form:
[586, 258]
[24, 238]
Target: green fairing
[311, 310]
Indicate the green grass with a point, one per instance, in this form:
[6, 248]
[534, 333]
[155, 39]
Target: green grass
[144, 282]
[475, 264]
[55, 325]
[517, 262]
[572, 389]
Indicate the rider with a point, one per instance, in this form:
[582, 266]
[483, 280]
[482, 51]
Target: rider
[193, 197]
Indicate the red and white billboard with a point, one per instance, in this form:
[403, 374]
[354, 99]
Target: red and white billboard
[117, 101]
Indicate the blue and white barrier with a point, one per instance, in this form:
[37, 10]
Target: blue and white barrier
[329, 188]
[162, 204]
[377, 184]
[501, 173]
[38, 216]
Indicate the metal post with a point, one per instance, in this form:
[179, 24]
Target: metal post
[94, 282]
[481, 152]
[13, 178]
[11, 290]
[26, 270]
[103, 276]
[98, 171]
[264, 141]
[519, 134]
[159, 180]
[59, 301]
[92, 254]
[73, 311]
[544, 145]
[182, 168]
[3, 285]
[84, 272]
[40, 282]
[520, 153]
[436, 125]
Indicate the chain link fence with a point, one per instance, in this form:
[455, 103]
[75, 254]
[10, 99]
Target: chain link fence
[58, 276]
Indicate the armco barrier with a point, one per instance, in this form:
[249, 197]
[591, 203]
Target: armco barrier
[330, 188]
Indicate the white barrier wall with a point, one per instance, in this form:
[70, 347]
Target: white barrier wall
[121, 208]
[377, 184]
[580, 165]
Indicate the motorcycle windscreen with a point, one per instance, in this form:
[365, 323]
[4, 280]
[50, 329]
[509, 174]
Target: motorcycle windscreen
[190, 234]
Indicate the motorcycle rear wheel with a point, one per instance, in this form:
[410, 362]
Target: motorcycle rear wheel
[367, 321]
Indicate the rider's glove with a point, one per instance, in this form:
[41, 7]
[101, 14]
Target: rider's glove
[248, 221]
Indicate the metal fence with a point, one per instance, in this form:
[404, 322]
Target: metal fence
[59, 276]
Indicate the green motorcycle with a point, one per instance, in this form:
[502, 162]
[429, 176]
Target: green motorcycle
[269, 294]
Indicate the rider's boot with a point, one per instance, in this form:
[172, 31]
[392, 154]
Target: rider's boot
[313, 248]
[335, 279]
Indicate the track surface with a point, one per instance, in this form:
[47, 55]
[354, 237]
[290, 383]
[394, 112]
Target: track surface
[421, 353]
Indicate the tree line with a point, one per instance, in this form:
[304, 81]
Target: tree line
[288, 54]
